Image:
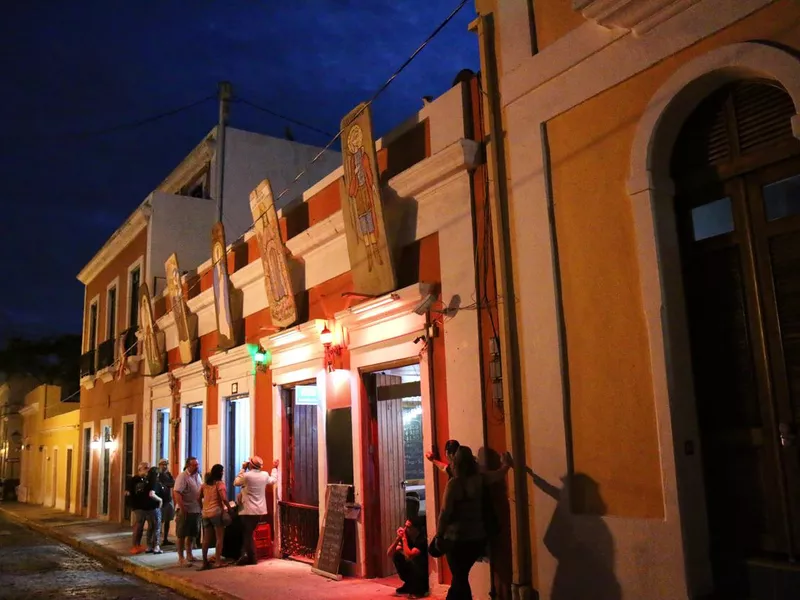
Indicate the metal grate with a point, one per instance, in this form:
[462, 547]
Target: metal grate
[87, 364]
[105, 354]
[299, 529]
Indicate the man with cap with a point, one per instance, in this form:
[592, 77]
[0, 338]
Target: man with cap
[167, 481]
[253, 482]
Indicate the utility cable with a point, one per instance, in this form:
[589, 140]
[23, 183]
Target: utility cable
[280, 116]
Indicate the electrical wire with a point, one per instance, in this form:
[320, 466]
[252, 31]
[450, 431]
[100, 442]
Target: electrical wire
[366, 105]
[123, 126]
[246, 102]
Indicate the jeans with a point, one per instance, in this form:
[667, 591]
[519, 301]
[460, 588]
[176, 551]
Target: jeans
[139, 517]
[249, 524]
[411, 572]
[461, 556]
[153, 518]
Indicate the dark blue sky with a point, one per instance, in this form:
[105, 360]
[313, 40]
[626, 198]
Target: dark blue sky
[85, 65]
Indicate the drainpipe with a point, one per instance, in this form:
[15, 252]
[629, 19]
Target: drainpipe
[521, 587]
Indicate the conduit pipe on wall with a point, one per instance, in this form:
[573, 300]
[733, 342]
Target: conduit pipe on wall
[509, 344]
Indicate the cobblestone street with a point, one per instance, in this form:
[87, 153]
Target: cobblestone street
[35, 567]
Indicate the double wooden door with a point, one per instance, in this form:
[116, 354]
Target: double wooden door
[741, 259]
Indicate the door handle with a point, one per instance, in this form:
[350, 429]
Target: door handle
[786, 434]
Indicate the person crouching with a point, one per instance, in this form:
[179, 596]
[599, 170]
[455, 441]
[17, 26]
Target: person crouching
[409, 552]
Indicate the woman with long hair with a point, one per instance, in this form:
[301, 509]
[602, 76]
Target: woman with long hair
[214, 498]
[153, 511]
[461, 531]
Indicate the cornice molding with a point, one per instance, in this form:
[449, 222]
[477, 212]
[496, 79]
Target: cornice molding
[461, 155]
[294, 337]
[120, 239]
[191, 376]
[248, 275]
[190, 166]
[637, 16]
[379, 310]
[231, 357]
[31, 409]
[319, 234]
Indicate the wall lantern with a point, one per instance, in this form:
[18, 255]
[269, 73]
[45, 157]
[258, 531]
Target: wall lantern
[95, 443]
[110, 442]
[331, 350]
[262, 358]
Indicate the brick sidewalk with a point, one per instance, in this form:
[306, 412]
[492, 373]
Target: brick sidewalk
[111, 542]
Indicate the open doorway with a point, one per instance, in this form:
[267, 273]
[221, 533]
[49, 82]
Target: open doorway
[237, 438]
[68, 490]
[299, 505]
[395, 455]
[194, 434]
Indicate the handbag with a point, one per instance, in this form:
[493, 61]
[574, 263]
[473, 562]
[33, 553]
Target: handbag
[226, 516]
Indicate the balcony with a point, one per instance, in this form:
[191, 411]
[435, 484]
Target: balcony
[105, 360]
[87, 364]
[130, 341]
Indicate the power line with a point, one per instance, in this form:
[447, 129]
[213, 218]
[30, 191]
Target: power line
[368, 103]
[280, 116]
[122, 126]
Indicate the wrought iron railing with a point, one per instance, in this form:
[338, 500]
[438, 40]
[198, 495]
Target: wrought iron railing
[299, 529]
[105, 354]
[87, 364]
[129, 340]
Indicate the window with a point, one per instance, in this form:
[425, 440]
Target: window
[134, 278]
[782, 198]
[712, 219]
[197, 187]
[92, 326]
[111, 323]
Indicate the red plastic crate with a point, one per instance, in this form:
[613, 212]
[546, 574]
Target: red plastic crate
[263, 548]
[263, 532]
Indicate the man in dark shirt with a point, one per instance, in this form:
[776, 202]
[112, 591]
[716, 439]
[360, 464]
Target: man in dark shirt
[409, 552]
[137, 497]
[168, 508]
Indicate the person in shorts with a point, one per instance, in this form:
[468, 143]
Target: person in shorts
[186, 494]
[214, 499]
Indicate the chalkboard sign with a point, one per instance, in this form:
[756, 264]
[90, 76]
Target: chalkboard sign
[339, 441]
[329, 547]
[413, 445]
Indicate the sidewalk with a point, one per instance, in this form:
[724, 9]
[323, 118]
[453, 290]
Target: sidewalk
[110, 543]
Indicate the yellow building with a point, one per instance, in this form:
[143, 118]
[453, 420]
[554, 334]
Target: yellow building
[50, 430]
[647, 163]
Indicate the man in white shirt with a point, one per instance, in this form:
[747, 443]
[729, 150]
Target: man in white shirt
[187, 509]
[253, 482]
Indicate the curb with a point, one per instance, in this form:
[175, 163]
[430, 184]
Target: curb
[176, 584]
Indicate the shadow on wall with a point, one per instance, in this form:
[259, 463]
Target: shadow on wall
[580, 541]
[500, 549]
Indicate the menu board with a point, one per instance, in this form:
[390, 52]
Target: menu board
[412, 444]
[329, 547]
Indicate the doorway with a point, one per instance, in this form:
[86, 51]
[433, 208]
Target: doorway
[238, 435]
[55, 479]
[87, 469]
[736, 167]
[105, 470]
[127, 463]
[299, 505]
[193, 444]
[396, 454]
[68, 490]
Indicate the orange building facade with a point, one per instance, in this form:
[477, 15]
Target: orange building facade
[404, 371]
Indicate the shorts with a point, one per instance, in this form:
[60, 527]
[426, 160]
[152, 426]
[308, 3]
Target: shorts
[167, 511]
[213, 521]
[187, 525]
[139, 516]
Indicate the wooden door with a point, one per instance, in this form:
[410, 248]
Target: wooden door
[68, 490]
[741, 262]
[128, 466]
[55, 478]
[391, 457]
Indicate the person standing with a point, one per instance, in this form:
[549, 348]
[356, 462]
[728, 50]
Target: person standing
[450, 449]
[253, 482]
[187, 510]
[152, 511]
[137, 497]
[167, 482]
[214, 498]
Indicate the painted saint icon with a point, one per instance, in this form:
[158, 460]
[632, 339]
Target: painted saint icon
[222, 300]
[280, 295]
[368, 248]
[153, 358]
[179, 309]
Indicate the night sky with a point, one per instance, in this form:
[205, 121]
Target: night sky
[71, 68]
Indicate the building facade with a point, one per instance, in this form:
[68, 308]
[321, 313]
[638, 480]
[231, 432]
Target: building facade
[175, 218]
[12, 400]
[647, 165]
[360, 387]
[50, 443]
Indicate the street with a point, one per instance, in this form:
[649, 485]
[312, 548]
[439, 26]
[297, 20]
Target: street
[35, 567]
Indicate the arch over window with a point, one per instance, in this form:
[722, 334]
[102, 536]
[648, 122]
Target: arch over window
[679, 96]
